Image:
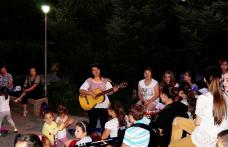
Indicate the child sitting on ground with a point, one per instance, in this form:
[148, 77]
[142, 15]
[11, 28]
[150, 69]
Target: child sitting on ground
[80, 135]
[115, 111]
[63, 121]
[50, 128]
[140, 136]
[222, 139]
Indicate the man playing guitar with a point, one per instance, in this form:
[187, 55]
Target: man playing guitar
[97, 82]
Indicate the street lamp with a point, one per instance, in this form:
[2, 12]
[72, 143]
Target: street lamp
[45, 9]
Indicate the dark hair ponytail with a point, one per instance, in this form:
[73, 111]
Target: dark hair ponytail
[212, 77]
[219, 106]
[5, 92]
[119, 110]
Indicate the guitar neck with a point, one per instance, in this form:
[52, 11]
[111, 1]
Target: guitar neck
[105, 92]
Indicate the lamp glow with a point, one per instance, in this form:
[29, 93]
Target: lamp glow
[45, 8]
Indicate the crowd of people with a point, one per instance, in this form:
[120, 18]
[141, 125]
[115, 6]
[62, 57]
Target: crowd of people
[171, 113]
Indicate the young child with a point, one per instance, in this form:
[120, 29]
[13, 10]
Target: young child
[116, 112]
[5, 108]
[222, 139]
[136, 136]
[80, 135]
[50, 128]
[63, 121]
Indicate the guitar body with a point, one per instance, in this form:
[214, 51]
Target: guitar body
[87, 102]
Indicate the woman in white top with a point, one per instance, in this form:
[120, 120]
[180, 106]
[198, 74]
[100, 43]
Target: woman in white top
[5, 108]
[148, 90]
[211, 116]
[116, 112]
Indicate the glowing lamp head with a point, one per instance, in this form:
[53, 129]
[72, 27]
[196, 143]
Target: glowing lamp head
[45, 8]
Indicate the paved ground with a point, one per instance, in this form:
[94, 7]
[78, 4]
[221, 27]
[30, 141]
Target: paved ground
[25, 125]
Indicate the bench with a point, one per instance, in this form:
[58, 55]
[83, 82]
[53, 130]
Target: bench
[36, 104]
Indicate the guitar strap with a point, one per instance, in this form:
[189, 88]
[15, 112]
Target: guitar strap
[141, 125]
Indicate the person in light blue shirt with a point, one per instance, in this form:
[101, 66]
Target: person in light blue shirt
[136, 136]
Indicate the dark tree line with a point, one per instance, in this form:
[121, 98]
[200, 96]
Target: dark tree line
[123, 35]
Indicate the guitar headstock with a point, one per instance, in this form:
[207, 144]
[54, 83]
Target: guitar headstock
[122, 85]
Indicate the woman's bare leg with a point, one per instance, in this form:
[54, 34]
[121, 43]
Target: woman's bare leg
[25, 106]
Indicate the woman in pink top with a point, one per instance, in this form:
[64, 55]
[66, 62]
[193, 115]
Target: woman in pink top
[100, 110]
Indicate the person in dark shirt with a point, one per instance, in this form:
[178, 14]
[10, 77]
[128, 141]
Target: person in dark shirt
[165, 117]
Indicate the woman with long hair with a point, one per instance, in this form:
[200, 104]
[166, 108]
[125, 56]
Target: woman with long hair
[168, 79]
[116, 112]
[211, 116]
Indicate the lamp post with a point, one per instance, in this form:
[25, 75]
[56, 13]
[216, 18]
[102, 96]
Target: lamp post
[45, 9]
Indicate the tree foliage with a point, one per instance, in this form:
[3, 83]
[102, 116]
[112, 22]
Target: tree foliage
[123, 35]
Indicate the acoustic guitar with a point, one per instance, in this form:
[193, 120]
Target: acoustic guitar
[87, 102]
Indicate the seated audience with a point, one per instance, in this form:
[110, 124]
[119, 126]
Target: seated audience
[168, 79]
[50, 128]
[46, 142]
[32, 89]
[6, 79]
[136, 136]
[115, 111]
[63, 121]
[148, 91]
[185, 92]
[211, 116]
[222, 139]
[81, 136]
[27, 140]
[223, 65]
[165, 117]
[188, 77]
